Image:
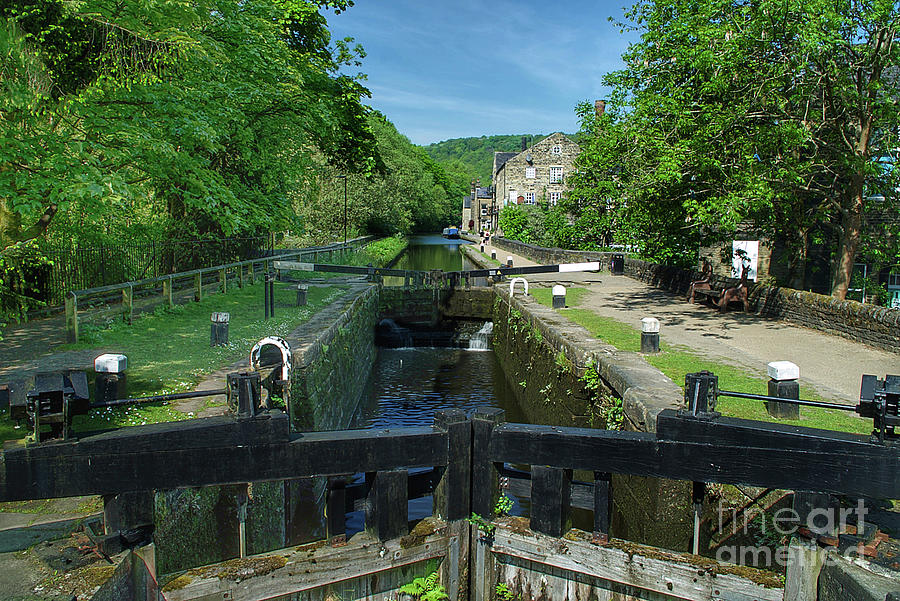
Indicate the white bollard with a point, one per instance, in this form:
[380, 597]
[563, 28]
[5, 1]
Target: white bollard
[784, 383]
[649, 335]
[559, 297]
[508, 261]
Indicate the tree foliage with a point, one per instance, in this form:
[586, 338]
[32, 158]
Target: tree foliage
[413, 193]
[158, 119]
[776, 115]
[185, 118]
[476, 155]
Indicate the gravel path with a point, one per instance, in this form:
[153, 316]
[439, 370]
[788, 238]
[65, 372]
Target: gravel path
[832, 365]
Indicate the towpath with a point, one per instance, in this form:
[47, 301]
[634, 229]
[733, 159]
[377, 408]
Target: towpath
[830, 364]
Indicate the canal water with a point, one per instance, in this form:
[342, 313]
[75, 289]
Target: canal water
[408, 385]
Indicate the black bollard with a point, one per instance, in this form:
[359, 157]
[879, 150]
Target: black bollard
[784, 384]
[649, 335]
[302, 289]
[218, 329]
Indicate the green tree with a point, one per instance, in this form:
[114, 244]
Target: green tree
[769, 113]
[205, 114]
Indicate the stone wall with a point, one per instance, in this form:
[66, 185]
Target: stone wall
[332, 358]
[552, 256]
[869, 324]
[548, 361]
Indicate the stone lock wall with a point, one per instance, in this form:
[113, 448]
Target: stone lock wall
[332, 361]
[431, 306]
[547, 360]
[332, 357]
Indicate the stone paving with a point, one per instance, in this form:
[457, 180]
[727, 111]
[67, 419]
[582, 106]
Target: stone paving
[832, 365]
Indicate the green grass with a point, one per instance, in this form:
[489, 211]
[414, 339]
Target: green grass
[676, 361]
[379, 253]
[383, 251]
[488, 258]
[169, 351]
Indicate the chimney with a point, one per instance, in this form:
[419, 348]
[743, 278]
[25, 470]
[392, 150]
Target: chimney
[524, 142]
[599, 107]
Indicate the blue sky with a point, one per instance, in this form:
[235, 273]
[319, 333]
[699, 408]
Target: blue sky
[452, 69]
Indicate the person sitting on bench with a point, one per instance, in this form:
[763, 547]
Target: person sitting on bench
[702, 283]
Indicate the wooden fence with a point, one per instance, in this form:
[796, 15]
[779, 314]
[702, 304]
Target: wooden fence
[83, 267]
[240, 272]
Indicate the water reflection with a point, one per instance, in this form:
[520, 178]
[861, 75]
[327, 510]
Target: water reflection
[408, 385]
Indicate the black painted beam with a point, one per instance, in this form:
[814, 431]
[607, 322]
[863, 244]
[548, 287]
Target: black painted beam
[208, 451]
[677, 425]
[872, 473]
[452, 495]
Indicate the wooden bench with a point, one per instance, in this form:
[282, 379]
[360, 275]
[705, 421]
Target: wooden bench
[712, 296]
[739, 293]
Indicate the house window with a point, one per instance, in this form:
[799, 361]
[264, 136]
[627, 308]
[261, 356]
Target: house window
[556, 175]
[529, 198]
[529, 172]
[483, 211]
[556, 149]
[554, 198]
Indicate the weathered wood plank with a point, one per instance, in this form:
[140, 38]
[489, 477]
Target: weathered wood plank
[167, 292]
[870, 474]
[307, 568]
[71, 318]
[128, 304]
[665, 572]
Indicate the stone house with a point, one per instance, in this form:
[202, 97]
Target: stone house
[536, 174]
[478, 210]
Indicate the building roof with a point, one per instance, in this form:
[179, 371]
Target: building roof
[500, 159]
[484, 192]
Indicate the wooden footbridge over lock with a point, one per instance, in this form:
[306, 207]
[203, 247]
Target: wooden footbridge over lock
[466, 458]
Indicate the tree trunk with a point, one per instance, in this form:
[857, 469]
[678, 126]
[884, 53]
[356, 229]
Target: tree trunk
[851, 226]
[797, 262]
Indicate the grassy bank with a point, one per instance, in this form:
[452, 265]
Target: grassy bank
[168, 351]
[379, 253]
[676, 361]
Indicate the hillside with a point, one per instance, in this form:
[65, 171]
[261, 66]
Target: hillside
[476, 155]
